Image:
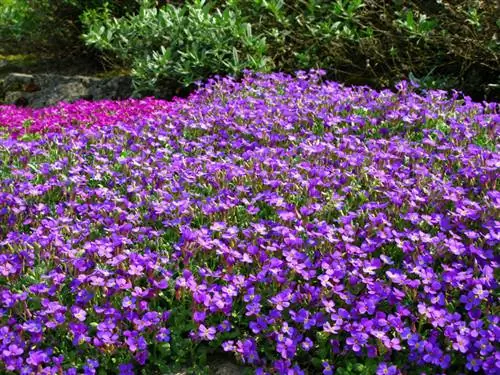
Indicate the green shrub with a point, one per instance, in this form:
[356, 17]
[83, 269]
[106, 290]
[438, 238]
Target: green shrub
[182, 44]
[446, 44]
[49, 26]
[443, 44]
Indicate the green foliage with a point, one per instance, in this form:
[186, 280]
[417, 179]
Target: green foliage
[183, 44]
[353, 367]
[49, 26]
[445, 45]
[166, 43]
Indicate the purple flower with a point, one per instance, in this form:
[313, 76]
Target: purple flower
[384, 369]
[259, 325]
[163, 335]
[264, 208]
[141, 357]
[307, 344]
[327, 368]
[37, 357]
[13, 350]
[126, 369]
[461, 343]
[79, 313]
[199, 316]
[206, 333]
[357, 340]
[134, 341]
[456, 247]
[473, 363]
[304, 317]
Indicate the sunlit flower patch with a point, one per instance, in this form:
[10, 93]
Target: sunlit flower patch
[303, 226]
[19, 121]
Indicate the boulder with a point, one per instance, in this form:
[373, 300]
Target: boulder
[41, 90]
[227, 368]
[16, 97]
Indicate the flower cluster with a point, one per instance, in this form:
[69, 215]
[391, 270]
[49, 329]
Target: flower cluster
[80, 114]
[301, 225]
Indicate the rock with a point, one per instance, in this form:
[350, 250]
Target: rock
[227, 368]
[16, 97]
[224, 364]
[16, 81]
[41, 90]
[112, 88]
[31, 87]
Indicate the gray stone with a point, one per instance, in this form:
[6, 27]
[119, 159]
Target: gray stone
[16, 97]
[41, 90]
[17, 81]
[227, 368]
[112, 88]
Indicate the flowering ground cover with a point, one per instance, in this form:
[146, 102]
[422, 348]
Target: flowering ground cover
[304, 226]
[80, 114]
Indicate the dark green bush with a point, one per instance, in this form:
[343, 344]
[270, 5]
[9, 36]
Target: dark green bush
[447, 44]
[49, 26]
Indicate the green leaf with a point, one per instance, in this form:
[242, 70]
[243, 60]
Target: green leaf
[410, 22]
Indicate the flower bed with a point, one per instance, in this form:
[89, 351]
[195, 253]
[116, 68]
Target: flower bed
[304, 226]
[19, 121]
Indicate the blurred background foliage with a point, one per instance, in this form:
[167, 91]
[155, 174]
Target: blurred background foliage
[437, 43]
[50, 26]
